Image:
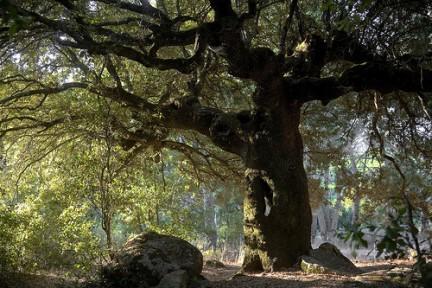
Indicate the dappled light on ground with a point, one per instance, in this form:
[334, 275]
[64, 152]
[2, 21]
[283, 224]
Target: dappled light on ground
[376, 275]
[21, 280]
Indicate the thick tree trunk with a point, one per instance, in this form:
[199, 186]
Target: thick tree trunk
[276, 210]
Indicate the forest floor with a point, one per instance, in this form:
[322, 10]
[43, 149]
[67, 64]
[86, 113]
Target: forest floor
[380, 274]
[385, 274]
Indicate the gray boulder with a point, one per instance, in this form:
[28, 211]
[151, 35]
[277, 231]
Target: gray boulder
[176, 279]
[154, 260]
[328, 259]
[214, 264]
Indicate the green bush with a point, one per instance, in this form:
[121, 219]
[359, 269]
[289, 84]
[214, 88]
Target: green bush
[10, 251]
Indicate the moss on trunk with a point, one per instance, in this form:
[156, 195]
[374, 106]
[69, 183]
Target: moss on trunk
[276, 209]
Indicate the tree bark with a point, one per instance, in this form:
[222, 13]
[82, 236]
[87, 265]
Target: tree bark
[107, 227]
[108, 235]
[210, 225]
[355, 207]
[275, 238]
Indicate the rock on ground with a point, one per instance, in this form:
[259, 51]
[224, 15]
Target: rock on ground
[328, 259]
[176, 279]
[154, 260]
[214, 264]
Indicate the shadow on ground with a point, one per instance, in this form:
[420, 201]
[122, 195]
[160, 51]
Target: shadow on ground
[22, 280]
[374, 276]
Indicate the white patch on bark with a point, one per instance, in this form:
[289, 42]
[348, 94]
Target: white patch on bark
[268, 206]
[153, 3]
[273, 261]
[219, 50]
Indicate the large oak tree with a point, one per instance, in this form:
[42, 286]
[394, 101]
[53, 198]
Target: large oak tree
[272, 57]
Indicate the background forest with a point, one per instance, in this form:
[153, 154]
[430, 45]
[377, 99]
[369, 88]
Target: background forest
[73, 188]
[66, 205]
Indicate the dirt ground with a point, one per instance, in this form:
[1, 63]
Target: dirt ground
[21, 280]
[385, 274]
[380, 274]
